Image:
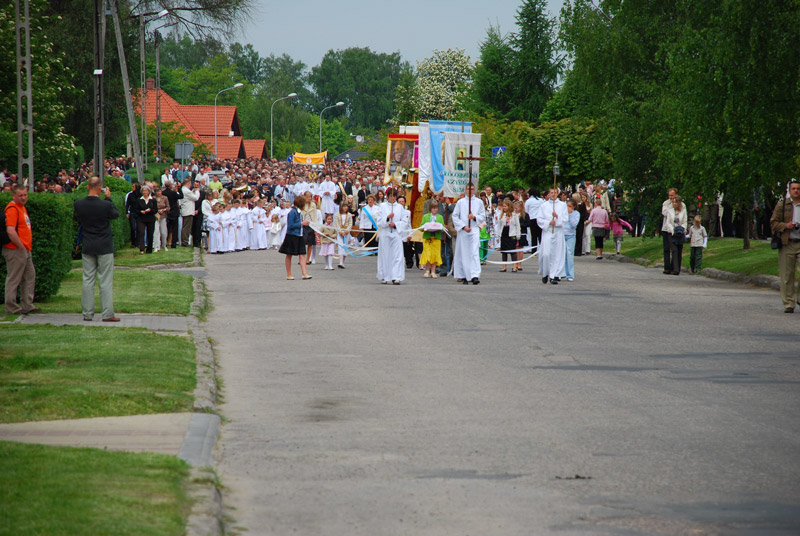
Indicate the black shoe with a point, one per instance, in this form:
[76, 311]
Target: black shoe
[443, 275]
[544, 280]
[465, 282]
[554, 281]
[476, 281]
[789, 310]
[557, 279]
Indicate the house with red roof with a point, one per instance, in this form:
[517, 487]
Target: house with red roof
[198, 120]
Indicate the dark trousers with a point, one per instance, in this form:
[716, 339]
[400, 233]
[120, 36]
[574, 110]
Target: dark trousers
[578, 239]
[197, 230]
[412, 251]
[447, 256]
[134, 223]
[172, 230]
[667, 240]
[536, 234]
[145, 231]
[677, 252]
[186, 230]
[696, 259]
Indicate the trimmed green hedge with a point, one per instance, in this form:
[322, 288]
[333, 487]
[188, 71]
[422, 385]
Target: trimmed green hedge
[51, 220]
[55, 233]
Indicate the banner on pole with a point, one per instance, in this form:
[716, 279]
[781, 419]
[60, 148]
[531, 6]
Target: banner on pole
[425, 171]
[309, 159]
[437, 130]
[456, 172]
[399, 157]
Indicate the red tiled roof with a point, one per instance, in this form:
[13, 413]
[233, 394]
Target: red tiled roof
[170, 110]
[255, 148]
[202, 119]
[227, 147]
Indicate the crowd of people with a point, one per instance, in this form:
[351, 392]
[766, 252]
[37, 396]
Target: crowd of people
[344, 209]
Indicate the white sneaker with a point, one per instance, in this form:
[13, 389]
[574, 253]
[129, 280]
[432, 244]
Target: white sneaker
[570, 279]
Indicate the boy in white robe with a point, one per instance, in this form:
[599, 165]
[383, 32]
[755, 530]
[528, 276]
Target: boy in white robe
[394, 223]
[468, 217]
[228, 229]
[552, 248]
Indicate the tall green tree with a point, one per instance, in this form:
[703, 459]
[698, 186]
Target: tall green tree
[52, 81]
[364, 80]
[535, 67]
[493, 76]
[247, 61]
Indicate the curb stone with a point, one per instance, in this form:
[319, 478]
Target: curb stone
[206, 515]
[762, 281]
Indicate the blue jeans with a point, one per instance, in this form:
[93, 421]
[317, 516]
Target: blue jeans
[569, 264]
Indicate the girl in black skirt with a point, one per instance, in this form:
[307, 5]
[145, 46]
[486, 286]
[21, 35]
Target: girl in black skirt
[293, 243]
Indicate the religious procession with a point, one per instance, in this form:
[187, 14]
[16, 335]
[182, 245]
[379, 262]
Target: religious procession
[423, 211]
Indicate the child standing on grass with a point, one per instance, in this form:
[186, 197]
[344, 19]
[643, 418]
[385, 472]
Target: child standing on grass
[699, 239]
[617, 229]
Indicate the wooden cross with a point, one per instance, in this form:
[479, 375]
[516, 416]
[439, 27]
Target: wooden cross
[469, 159]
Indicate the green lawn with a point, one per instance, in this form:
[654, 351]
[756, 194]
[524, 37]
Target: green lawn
[80, 491]
[131, 257]
[721, 253]
[69, 372]
[135, 291]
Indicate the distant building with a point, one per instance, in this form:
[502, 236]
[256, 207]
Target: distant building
[198, 120]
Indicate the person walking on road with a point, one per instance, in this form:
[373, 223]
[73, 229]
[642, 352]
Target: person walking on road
[95, 215]
[785, 222]
[17, 253]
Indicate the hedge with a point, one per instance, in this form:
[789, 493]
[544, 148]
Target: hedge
[51, 222]
[55, 232]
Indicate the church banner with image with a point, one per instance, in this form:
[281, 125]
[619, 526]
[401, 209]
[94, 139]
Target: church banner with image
[400, 157]
[437, 130]
[459, 145]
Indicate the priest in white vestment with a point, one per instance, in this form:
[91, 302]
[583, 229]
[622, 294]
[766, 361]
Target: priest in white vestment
[551, 217]
[394, 223]
[468, 217]
[326, 192]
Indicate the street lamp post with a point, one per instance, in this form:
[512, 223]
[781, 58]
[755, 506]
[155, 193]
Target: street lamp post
[143, 94]
[235, 86]
[289, 96]
[337, 105]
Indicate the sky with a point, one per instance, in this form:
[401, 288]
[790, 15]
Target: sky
[307, 29]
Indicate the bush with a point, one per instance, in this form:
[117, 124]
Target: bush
[51, 220]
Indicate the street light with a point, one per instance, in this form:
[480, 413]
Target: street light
[289, 96]
[235, 86]
[337, 105]
[143, 95]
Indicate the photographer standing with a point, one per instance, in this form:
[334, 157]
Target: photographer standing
[95, 215]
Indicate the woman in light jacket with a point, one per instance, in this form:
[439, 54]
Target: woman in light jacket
[598, 218]
[675, 223]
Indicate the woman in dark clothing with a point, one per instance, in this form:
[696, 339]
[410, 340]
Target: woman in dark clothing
[293, 243]
[146, 208]
[583, 211]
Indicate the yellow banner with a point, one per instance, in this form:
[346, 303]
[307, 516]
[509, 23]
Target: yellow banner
[309, 159]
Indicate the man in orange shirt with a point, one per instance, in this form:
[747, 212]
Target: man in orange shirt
[17, 253]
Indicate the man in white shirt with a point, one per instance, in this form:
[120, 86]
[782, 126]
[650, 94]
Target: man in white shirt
[532, 209]
[190, 195]
[468, 217]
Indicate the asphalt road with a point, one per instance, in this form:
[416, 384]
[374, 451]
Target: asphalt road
[627, 402]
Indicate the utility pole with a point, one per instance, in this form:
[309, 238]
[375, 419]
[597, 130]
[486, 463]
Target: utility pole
[143, 90]
[157, 37]
[99, 26]
[127, 88]
[24, 94]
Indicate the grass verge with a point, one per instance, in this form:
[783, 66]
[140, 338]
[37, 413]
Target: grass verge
[722, 253]
[135, 291]
[71, 372]
[130, 257]
[82, 491]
